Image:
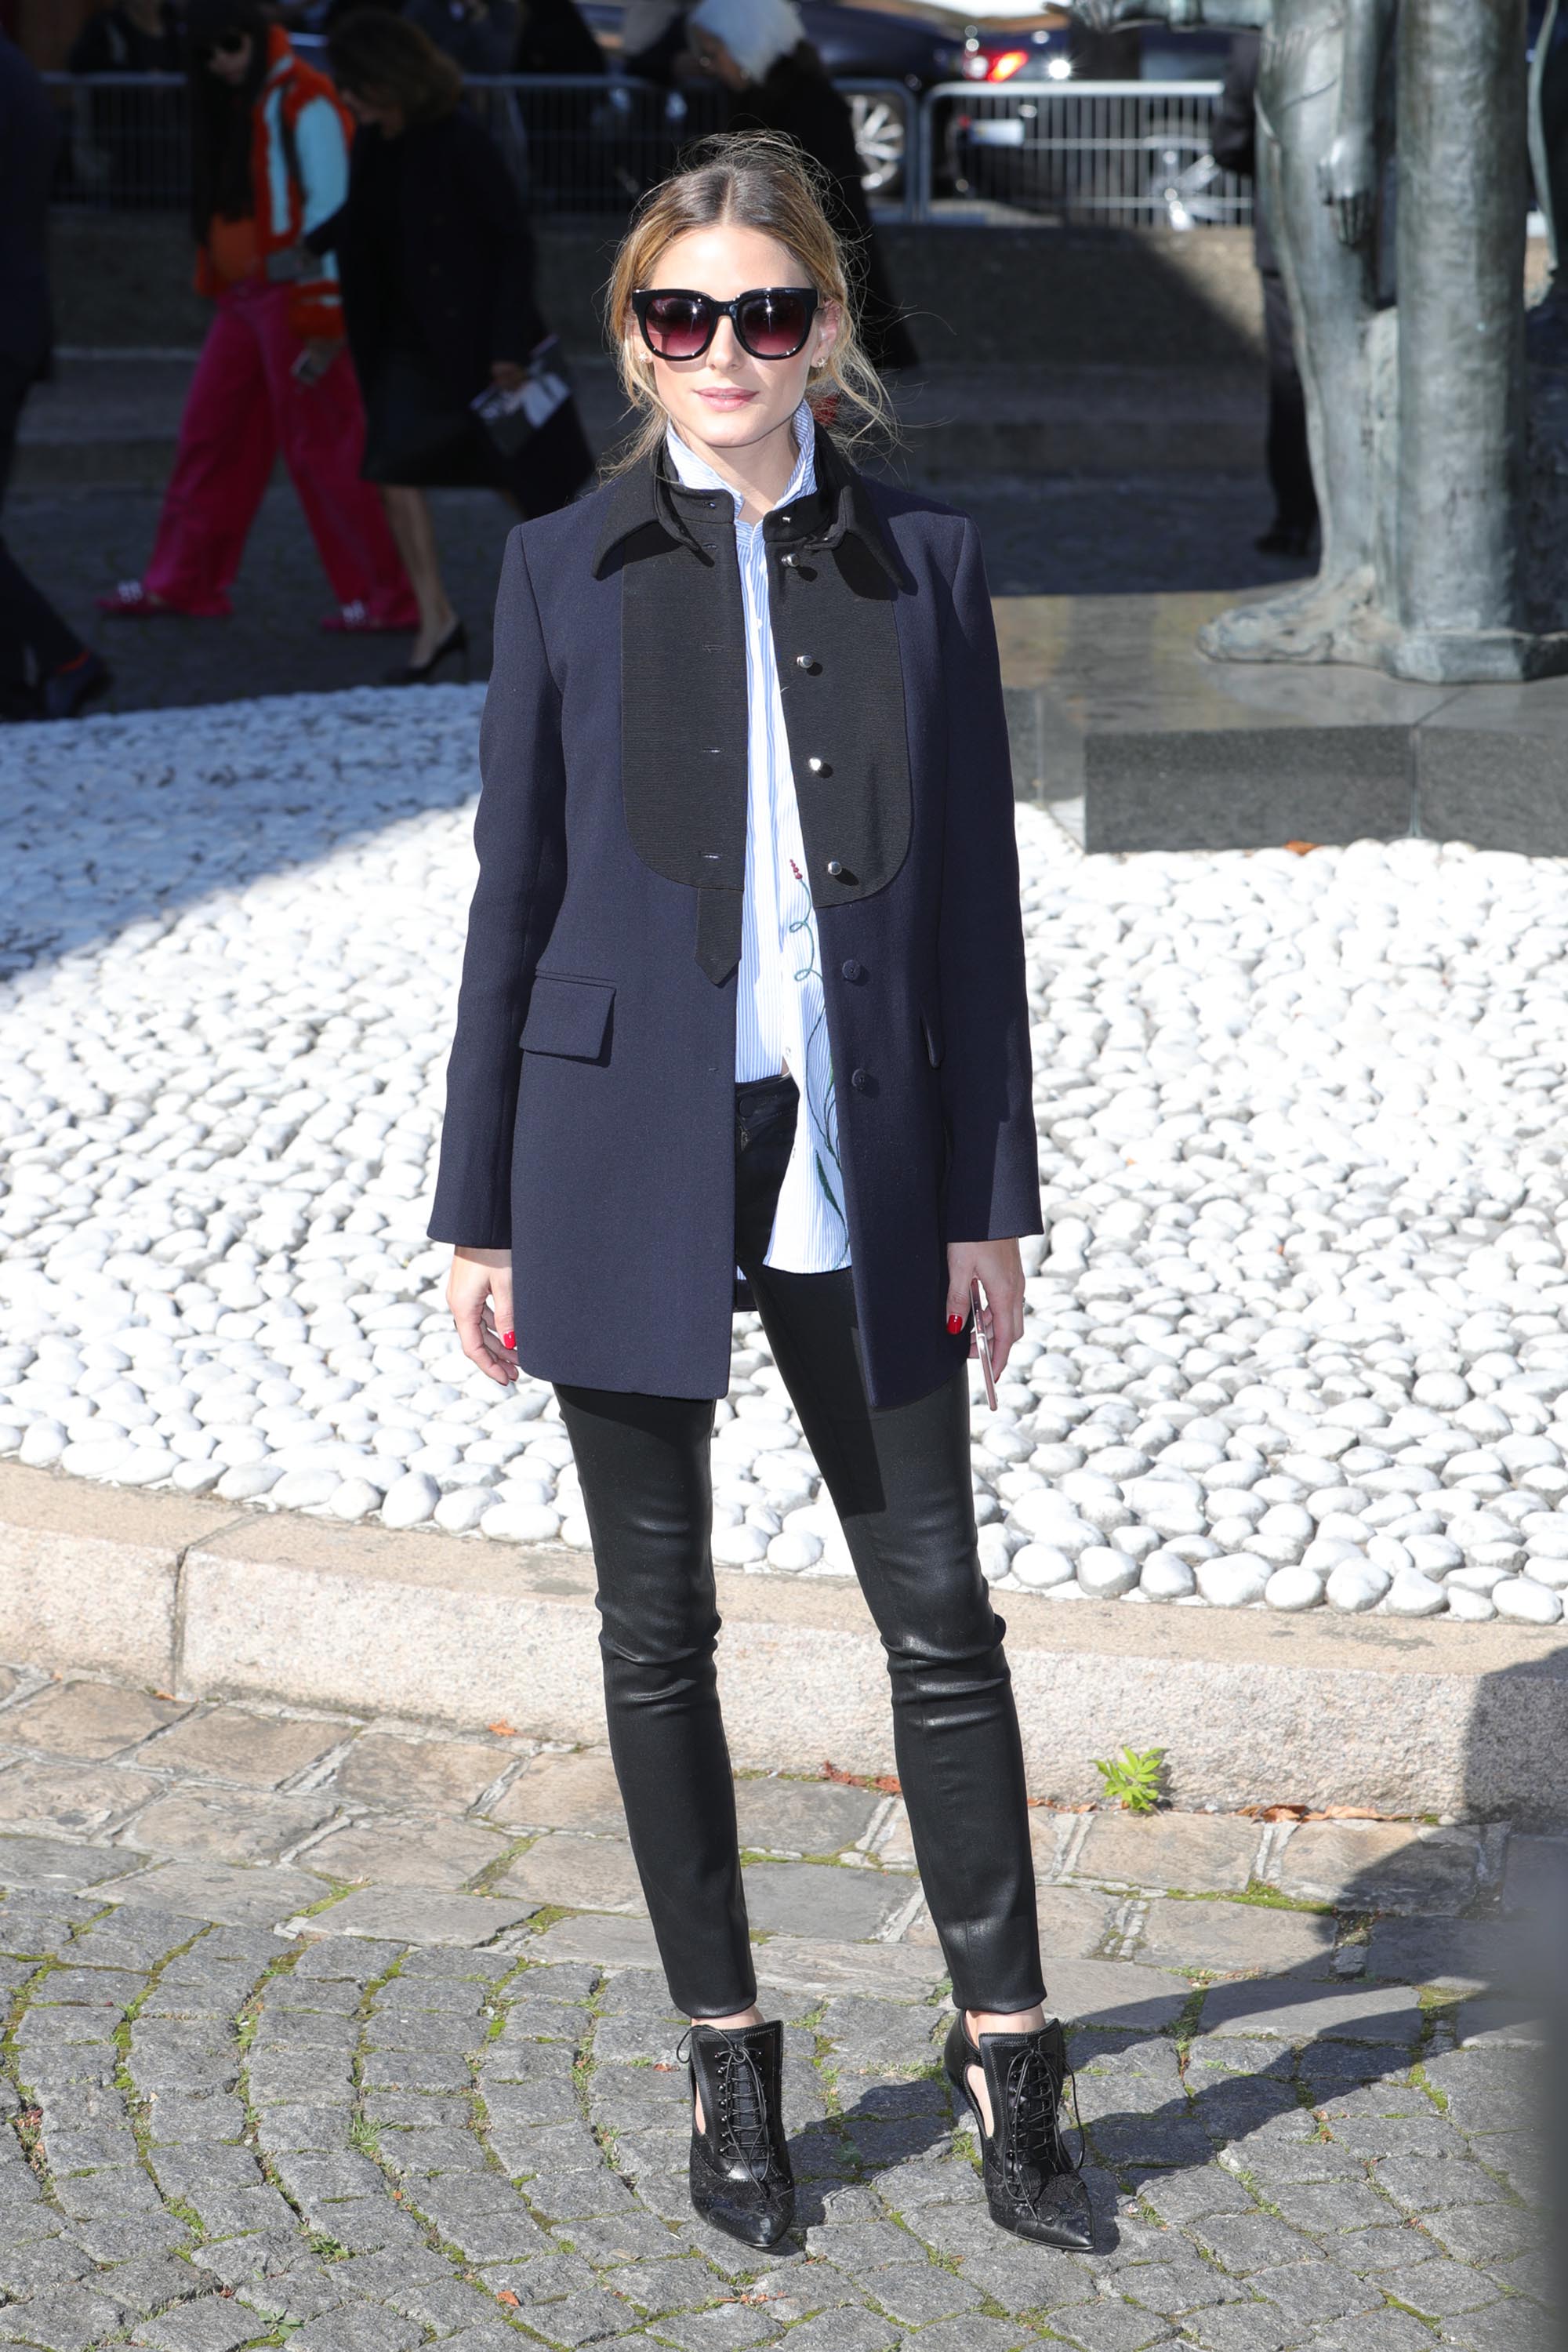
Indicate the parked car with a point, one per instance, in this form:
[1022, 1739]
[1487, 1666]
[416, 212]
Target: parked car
[1013, 144]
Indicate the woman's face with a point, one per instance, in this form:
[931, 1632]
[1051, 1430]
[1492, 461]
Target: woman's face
[229, 58]
[374, 110]
[726, 399]
[714, 58]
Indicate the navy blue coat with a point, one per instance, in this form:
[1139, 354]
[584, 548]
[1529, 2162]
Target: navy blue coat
[589, 1116]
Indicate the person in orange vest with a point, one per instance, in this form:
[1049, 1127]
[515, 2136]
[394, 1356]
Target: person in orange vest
[269, 162]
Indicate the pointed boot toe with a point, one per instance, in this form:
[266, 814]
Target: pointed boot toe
[740, 2170]
[1033, 2186]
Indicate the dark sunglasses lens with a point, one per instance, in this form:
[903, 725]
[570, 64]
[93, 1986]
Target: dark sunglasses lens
[772, 325]
[679, 326]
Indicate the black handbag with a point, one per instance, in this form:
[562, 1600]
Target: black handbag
[512, 418]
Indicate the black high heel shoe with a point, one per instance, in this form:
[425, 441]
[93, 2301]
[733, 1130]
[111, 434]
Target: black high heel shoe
[455, 642]
[740, 2176]
[1032, 2185]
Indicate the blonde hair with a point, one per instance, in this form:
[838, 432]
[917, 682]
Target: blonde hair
[752, 179]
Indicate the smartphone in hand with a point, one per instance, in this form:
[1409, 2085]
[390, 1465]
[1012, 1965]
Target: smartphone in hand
[982, 1344]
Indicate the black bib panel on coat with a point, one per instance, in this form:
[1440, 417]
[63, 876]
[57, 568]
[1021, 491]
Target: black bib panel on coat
[833, 579]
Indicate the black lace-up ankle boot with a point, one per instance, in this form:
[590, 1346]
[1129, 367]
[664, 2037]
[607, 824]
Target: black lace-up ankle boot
[1032, 2185]
[740, 2178]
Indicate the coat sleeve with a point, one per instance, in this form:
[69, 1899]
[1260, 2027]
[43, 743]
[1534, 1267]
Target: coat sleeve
[322, 146]
[518, 833]
[993, 1184]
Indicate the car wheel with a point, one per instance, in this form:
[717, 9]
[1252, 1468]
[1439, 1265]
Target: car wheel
[879, 142]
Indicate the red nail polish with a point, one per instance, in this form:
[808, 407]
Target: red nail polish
[955, 1324]
[509, 1338]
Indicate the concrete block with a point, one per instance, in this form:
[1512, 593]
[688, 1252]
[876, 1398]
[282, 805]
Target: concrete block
[1115, 1992]
[407, 1915]
[227, 1825]
[1229, 1936]
[431, 1853]
[437, 1775]
[79, 1800]
[48, 1864]
[1411, 1718]
[233, 1744]
[576, 1872]
[1459, 1955]
[1297, 2008]
[89, 1719]
[817, 1900]
[90, 1573]
[212, 1890]
[554, 1792]
[1380, 1867]
[802, 1817]
[1196, 1853]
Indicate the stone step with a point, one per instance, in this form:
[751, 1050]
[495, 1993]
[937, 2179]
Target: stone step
[111, 417]
[206, 1600]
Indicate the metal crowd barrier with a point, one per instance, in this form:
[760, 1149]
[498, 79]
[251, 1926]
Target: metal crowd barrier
[586, 143]
[1130, 153]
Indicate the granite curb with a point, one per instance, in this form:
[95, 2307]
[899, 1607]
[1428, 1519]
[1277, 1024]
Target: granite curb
[205, 1601]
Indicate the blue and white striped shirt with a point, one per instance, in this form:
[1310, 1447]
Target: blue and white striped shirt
[780, 1022]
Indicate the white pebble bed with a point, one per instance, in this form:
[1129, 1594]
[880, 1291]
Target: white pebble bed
[1297, 1339]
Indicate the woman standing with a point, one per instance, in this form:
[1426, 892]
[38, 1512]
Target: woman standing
[437, 272]
[758, 49]
[269, 162]
[748, 896]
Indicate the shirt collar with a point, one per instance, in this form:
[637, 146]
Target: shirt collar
[697, 474]
[642, 512]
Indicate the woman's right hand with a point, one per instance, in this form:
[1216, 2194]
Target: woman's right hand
[478, 1292]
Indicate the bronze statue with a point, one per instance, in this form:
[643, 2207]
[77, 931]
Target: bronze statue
[1416, 424]
[1324, 124]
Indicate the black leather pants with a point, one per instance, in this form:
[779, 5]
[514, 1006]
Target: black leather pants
[901, 1483]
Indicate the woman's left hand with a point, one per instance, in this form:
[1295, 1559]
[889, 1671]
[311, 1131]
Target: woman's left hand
[507, 373]
[999, 1270]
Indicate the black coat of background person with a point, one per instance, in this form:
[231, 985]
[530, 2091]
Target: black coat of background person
[1232, 142]
[797, 99]
[114, 42]
[554, 37]
[591, 1092]
[435, 258]
[30, 628]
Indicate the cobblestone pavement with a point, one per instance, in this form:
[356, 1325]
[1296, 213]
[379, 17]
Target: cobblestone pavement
[1051, 536]
[345, 2035]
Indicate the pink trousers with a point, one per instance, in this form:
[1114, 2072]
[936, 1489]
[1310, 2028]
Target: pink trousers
[244, 405]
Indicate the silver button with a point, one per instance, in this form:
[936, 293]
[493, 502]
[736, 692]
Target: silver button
[805, 661]
[818, 767]
[790, 561]
[835, 869]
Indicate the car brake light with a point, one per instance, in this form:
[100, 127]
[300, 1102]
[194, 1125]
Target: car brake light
[1003, 66]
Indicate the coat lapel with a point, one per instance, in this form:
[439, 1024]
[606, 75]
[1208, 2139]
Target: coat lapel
[834, 577]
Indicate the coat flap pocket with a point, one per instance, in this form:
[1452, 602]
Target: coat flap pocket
[568, 1017]
[930, 1027]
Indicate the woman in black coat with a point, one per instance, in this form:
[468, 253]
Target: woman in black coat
[435, 258]
[744, 986]
[758, 49]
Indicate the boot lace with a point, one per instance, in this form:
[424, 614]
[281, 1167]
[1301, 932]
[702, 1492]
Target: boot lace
[1033, 2149]
[740, 2125]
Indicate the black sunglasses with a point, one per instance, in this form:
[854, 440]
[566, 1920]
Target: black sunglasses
[771, 323]
[224, 45]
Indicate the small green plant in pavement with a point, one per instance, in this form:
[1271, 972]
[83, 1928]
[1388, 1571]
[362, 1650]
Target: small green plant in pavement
[1135, 1779]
